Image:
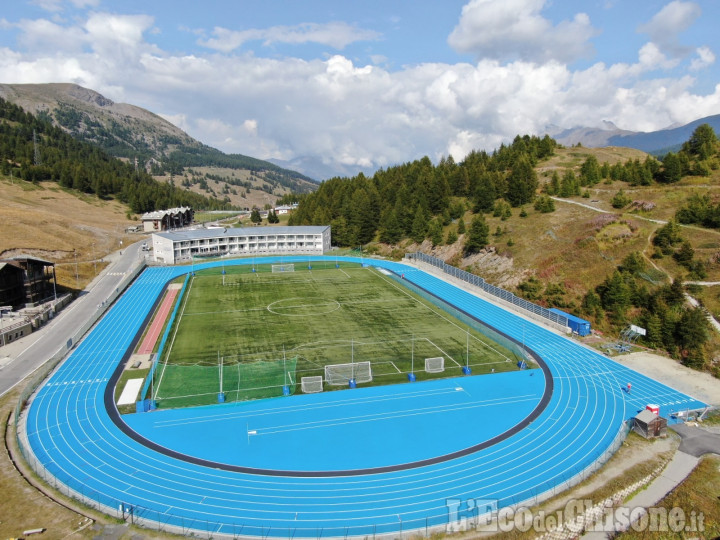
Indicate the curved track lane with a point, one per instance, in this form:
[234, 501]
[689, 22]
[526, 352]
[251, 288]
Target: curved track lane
[74, 438]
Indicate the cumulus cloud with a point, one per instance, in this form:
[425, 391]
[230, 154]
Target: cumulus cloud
[334, 34]
[44, 35]
[705, 58]
[671, 20]
[342, 111]
[515, 30]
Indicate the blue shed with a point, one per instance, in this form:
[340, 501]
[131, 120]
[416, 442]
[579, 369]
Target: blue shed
[576, 324]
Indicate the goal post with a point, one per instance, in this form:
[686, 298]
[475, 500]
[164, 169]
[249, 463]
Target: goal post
[311, 385]
[338, 374]
[276, 268]
[435, 364]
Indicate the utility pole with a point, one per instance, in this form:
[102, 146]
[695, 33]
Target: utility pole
[77, 279]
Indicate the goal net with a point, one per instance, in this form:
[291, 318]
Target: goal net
[283, 268]
[336, 374]
[435, 365]
[311, 385]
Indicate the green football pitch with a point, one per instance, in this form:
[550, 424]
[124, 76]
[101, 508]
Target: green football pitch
[248, 334]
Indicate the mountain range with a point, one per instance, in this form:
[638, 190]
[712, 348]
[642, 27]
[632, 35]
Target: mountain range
[654, 142]
[137, 135]
[131, 132]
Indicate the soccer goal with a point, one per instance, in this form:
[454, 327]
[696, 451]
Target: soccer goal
[435, 365]
[337, 374]
[311, 385]
[283, 268]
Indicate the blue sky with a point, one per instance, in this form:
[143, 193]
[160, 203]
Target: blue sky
[374, 83]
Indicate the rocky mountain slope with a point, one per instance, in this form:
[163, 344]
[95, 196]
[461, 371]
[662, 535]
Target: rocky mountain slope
[138, 135]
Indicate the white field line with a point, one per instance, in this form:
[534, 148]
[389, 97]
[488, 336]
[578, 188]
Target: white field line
[441, 315]
[443, 352]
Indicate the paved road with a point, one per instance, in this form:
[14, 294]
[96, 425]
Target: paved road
[697, 441]
[20, 358]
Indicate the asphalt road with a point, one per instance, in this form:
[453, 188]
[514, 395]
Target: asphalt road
[20, 358]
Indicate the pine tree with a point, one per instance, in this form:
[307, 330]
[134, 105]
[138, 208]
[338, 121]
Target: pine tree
[435, 233]
[477, 237]
[569, 186]
[485, 194]
[390, 230]
[522, 182]
[554, 186]
[419, 226]
[590, 172]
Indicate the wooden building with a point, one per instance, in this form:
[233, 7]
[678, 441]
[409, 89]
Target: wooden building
[26, 281]
[650, 425]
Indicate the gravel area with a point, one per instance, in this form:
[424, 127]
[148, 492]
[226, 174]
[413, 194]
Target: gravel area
[697, 384]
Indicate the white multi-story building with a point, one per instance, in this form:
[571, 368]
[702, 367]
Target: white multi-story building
[182, 246]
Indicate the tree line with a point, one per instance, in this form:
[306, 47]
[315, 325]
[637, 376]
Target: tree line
[417, 199]
[34, 150]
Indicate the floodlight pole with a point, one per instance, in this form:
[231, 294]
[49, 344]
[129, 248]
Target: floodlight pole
[466, 370]
[467, 349]
[220, 363]
[412, 355]
[411, 376]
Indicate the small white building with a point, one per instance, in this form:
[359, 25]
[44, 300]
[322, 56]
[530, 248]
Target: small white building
[284, 209]
[181, 246]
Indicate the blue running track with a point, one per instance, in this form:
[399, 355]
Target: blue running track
[389, 462]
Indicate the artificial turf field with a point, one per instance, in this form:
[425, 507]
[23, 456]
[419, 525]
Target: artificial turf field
[266, 330]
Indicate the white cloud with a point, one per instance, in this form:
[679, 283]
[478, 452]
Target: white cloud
[55, 6]
[85, 3]
[651, 57]
[334, 34]
[705, 58]
[343, 112]
[251, 126]
[107, 31]
[43, 35]
[515, 30]
[671, 20]
[48, 5]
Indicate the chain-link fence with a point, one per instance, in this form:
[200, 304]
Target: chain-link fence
[497, 292]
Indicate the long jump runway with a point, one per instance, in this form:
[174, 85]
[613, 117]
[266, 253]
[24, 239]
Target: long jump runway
[361, 462]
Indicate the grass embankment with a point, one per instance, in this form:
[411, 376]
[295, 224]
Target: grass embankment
[71, 229]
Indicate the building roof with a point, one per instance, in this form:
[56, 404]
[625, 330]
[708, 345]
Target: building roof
[646, 416]
[569, 316]
[159, 214]
[196, 234]
[27, 258]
